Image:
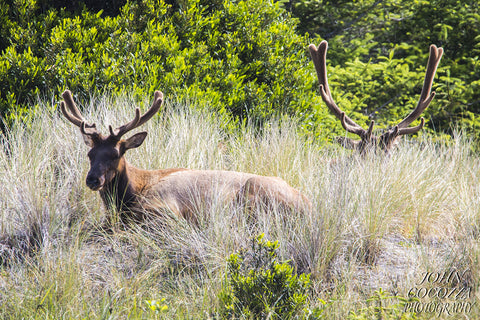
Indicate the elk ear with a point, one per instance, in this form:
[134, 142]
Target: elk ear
[347, 142]
[135, 141]
[88, 139]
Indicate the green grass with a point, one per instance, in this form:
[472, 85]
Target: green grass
[378, 222]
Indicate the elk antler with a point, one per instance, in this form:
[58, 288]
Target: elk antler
[139, 120]
[74, 116]
[367, 139]
[319, 57]
[425, 97]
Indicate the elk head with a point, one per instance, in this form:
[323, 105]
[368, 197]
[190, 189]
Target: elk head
[367, 139]
[106, 153]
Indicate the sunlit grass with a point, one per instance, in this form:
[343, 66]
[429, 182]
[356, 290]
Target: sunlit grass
[377, 221]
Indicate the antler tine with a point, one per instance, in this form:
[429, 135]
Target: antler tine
[319, 57]
[120, 131]
[157, 103]
[139, 120]
[70, 117]
[74, 116]
[67, 97]
[426, 96]
[411, 130]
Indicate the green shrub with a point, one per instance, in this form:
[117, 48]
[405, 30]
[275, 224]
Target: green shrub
[237, 58]
[383, 306]
[258, 286]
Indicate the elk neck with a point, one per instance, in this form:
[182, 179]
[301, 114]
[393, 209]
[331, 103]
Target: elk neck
[122, 191]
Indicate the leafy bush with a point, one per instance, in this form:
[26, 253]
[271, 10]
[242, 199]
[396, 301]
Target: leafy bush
[258, 286]
[239, 58]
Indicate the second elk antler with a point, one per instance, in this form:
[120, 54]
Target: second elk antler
[367, 139]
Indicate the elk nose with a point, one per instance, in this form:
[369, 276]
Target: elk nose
[93, 182]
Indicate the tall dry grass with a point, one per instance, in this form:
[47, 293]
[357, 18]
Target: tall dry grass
[378, 222]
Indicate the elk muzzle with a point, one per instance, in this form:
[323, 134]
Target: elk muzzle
[95, 181]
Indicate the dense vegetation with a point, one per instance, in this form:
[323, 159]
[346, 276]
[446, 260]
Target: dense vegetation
[377, 225]
[247, 59]
[235, 57]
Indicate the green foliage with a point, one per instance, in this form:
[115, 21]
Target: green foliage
[238, 58]
[380, 307]
[258, 286]
[157, 306]
[247, 59]
[367, 32]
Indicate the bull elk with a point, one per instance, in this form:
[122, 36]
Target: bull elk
[135, 192]
[368, 141]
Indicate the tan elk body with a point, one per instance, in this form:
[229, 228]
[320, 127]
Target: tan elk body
[136, 192]
[368, 141]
